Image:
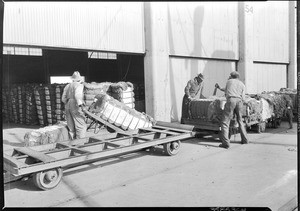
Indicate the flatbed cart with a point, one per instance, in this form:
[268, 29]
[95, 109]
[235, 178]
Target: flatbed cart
[208, 127]
[45, 163]
[203, 127]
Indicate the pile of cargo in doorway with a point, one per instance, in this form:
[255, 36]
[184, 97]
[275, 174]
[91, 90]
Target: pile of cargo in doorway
[46, 99]
[40, 104]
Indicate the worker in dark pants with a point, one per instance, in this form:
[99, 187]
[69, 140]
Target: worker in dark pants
[191, 90]
[74, 107]
[235, 95]
[289, 112]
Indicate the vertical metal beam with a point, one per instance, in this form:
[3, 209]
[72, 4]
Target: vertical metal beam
[46, 66]
[157, 85]
[292, 67]
[245, 22]
[87, 67]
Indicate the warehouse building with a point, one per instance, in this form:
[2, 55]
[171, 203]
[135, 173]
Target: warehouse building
[158, 46]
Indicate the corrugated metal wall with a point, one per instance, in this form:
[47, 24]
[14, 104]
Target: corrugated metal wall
[267, 77]
[203, 29]
[109, 26]
[271, 46]
[198, 37]
[271, 31]
[200, 30]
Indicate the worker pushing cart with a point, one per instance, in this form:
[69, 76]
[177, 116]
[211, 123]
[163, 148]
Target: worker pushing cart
[74, 106]
[235, 95]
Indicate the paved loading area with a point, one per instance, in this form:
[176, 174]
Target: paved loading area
[261, 174]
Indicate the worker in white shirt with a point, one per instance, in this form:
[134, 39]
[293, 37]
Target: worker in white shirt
[235, 96]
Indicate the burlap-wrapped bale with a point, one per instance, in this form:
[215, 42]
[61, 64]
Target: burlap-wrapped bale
[119, 114]
[252, 109]
[123, 92]
[46, 135]
[216, 108]
[267, 110]
[31, 116]
[277, 100]
[209, 109]
[293, 95]
[199, 108]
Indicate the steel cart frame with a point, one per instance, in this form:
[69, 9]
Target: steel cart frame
[44, 163]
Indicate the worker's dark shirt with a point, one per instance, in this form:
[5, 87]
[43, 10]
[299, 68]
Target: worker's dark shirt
[235, 88]
[289, 104]
[193, 88]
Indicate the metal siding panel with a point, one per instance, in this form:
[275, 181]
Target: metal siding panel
[200, 29]
[271, 30]
[267, 77]
[113, 26]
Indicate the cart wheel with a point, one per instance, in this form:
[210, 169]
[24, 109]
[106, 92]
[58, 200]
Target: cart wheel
[172, 148]
[49, 179]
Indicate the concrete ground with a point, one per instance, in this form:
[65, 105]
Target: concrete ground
[260, 174]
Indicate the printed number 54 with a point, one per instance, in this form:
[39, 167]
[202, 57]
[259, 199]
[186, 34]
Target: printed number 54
[248, 8]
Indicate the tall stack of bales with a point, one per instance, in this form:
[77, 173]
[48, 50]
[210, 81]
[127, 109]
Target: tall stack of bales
[50, 103]
[119, 114]
[31, 116]
[40, 100]
[139, 96]
[92, 89]
[21, 98]
[5, 103]
[14, 103]
[123, 92]
[59, 105]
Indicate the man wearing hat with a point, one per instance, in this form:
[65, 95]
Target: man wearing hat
[235, 95]
[192, 89]
[74, 105]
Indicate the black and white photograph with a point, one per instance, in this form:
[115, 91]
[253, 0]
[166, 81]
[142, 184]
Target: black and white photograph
[150, 104]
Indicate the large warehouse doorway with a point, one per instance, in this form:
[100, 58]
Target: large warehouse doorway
[113, 67]
[23, 65]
